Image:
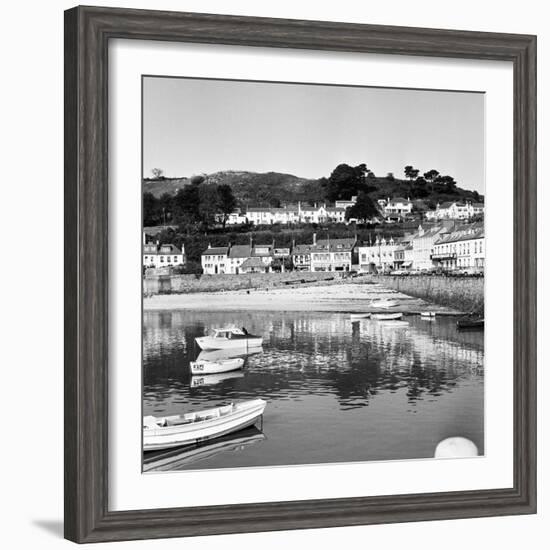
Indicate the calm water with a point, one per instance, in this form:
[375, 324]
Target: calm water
[337, 390]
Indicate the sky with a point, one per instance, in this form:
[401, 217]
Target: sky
[195, 126]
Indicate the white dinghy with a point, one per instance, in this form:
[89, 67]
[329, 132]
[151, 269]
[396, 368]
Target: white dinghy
[387, 316]
[229, 338]
[216, 367]
[383, 304]
[429, 315]
[359, 316]
[187, 429]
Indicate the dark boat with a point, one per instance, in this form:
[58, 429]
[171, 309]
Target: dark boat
[470, 324]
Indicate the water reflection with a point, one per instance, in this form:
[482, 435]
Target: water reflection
[319, 369]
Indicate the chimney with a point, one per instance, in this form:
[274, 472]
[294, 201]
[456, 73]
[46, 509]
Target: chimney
[209, 246]
[314, 238]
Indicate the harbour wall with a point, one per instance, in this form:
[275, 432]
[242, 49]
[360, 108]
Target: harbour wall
[166, 283]
[462, 293]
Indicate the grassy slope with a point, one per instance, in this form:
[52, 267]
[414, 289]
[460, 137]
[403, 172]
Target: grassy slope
[254, 189]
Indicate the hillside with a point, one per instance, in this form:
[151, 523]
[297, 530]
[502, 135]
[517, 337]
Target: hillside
[273, 188]
[249, 188]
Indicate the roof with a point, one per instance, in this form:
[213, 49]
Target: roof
[301, 249]
[466, 234]
[215, 251]
[255, 251]
[335, 245]
[252, 262]
[240, 251]
[399, 199]
[172, 249]
[335, 209]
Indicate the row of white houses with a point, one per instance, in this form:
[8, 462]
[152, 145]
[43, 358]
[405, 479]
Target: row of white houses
[396, 208]
[291, 214]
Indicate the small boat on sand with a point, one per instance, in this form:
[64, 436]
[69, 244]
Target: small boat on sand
[192, 428]
[427, 314]
[215, 367]
[387, 316]
[229, 338]
[470, 324]
[383, 304]
[359, 316]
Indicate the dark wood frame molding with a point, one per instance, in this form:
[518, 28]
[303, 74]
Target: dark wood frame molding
[87, 34]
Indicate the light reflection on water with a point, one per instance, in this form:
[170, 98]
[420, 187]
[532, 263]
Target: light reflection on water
[337, 391]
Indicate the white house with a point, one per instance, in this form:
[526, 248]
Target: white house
[423, 245]
[162, 255]
[214, 260]
[377, 256]
[343, 203]
[398, 206]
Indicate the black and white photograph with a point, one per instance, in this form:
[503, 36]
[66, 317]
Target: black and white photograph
[313, 273]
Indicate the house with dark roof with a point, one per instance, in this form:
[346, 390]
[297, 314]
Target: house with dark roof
[214, 260]
[162, 255]
[332, 254]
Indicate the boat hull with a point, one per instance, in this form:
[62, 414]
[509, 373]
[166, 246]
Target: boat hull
[216, 367]
[383, 304]
[470, 325]
[211, 343]
[359, 316]
[387, 316]
[170, 436]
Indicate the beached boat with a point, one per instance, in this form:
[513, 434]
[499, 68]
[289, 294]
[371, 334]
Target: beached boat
[427, 314]
[359, 316]
[387, 316]
[229, 338]
[213, 379]
[383, 304]
[192, 428]
[470, 324]
[176, 459]
[216, 367]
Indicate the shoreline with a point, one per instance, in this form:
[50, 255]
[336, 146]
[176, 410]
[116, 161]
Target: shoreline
[342, 298]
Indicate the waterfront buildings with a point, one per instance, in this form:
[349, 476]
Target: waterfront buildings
[460, 249]
[332, 254]
[162, 255]
[214, 260]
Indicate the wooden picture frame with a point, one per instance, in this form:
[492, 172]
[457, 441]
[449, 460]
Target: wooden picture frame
[87, 34]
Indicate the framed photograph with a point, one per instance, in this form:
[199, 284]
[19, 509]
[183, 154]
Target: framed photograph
[300, 274]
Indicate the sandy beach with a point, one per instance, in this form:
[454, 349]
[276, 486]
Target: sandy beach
[335, 298]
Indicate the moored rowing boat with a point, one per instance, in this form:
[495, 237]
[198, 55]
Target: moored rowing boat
[188, 429]
[387, 316]
[216, 367]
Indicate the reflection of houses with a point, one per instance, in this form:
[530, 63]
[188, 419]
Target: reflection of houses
[461, 249]
[162, 255]
[456, 211]
[377, 256]
[214, 260]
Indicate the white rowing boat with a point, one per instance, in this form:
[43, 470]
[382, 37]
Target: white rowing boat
[359, 316]
[216, 367]
[394, 324]
[213, 379]
[191, 428]
[383, 304]
[229, 338]
[427, 314]
[387, 316]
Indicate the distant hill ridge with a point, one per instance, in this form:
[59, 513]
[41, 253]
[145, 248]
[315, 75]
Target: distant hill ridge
[274, 188]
